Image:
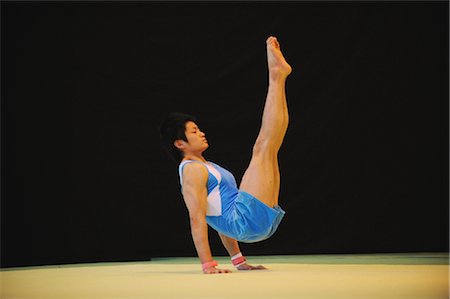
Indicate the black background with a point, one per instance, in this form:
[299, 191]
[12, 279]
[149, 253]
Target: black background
[364, 166]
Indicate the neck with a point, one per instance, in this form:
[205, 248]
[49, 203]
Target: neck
[194, 157]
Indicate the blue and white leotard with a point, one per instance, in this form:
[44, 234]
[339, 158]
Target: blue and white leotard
[235, 213]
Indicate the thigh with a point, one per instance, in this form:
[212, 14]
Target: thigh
[276, 173]
[260, 179]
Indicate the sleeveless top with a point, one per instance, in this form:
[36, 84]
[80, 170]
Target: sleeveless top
[221, 188]
[232, 212]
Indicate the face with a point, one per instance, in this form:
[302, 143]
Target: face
[197, 142]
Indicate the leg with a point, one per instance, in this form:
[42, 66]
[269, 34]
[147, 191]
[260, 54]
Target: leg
[262, 177]
[276, 185]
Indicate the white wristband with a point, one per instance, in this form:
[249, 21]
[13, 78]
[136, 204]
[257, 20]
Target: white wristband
[236, 256]
[238, 259]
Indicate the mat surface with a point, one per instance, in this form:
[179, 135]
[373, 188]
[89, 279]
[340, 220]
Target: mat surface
[419, 275]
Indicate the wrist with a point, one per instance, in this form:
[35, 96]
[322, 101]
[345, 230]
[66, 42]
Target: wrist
[238, 259]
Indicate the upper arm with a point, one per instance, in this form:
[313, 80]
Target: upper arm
[195, 177]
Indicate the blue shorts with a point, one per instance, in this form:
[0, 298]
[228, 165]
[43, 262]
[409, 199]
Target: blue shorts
[250, 220]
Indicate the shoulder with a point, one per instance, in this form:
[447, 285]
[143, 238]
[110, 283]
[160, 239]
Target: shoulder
[194, 169]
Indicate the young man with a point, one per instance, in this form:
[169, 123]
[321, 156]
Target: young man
[250, 213]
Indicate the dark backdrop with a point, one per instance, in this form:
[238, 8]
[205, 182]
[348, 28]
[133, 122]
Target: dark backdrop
[364, 166]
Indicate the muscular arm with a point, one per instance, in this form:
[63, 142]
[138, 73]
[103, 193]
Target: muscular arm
[195, 177]
[230, 244]
[195, 194]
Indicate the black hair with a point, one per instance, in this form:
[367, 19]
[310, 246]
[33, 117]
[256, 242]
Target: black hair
[172, 128]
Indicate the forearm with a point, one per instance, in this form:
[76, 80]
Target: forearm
[230, 244]
[199, 231]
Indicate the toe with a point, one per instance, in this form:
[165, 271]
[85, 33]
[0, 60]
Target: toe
[270, 38]
[271, 43]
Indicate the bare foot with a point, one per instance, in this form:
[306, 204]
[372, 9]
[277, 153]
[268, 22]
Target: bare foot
[278, 67]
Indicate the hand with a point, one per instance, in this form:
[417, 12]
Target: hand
[214, 270]
[250, 267]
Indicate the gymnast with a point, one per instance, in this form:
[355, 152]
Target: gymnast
[248, 214]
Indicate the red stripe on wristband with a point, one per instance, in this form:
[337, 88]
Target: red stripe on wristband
[238, 260]
[209, 265]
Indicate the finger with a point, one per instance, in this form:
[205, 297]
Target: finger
[259, 267]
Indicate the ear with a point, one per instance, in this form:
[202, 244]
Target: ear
[179, 144]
